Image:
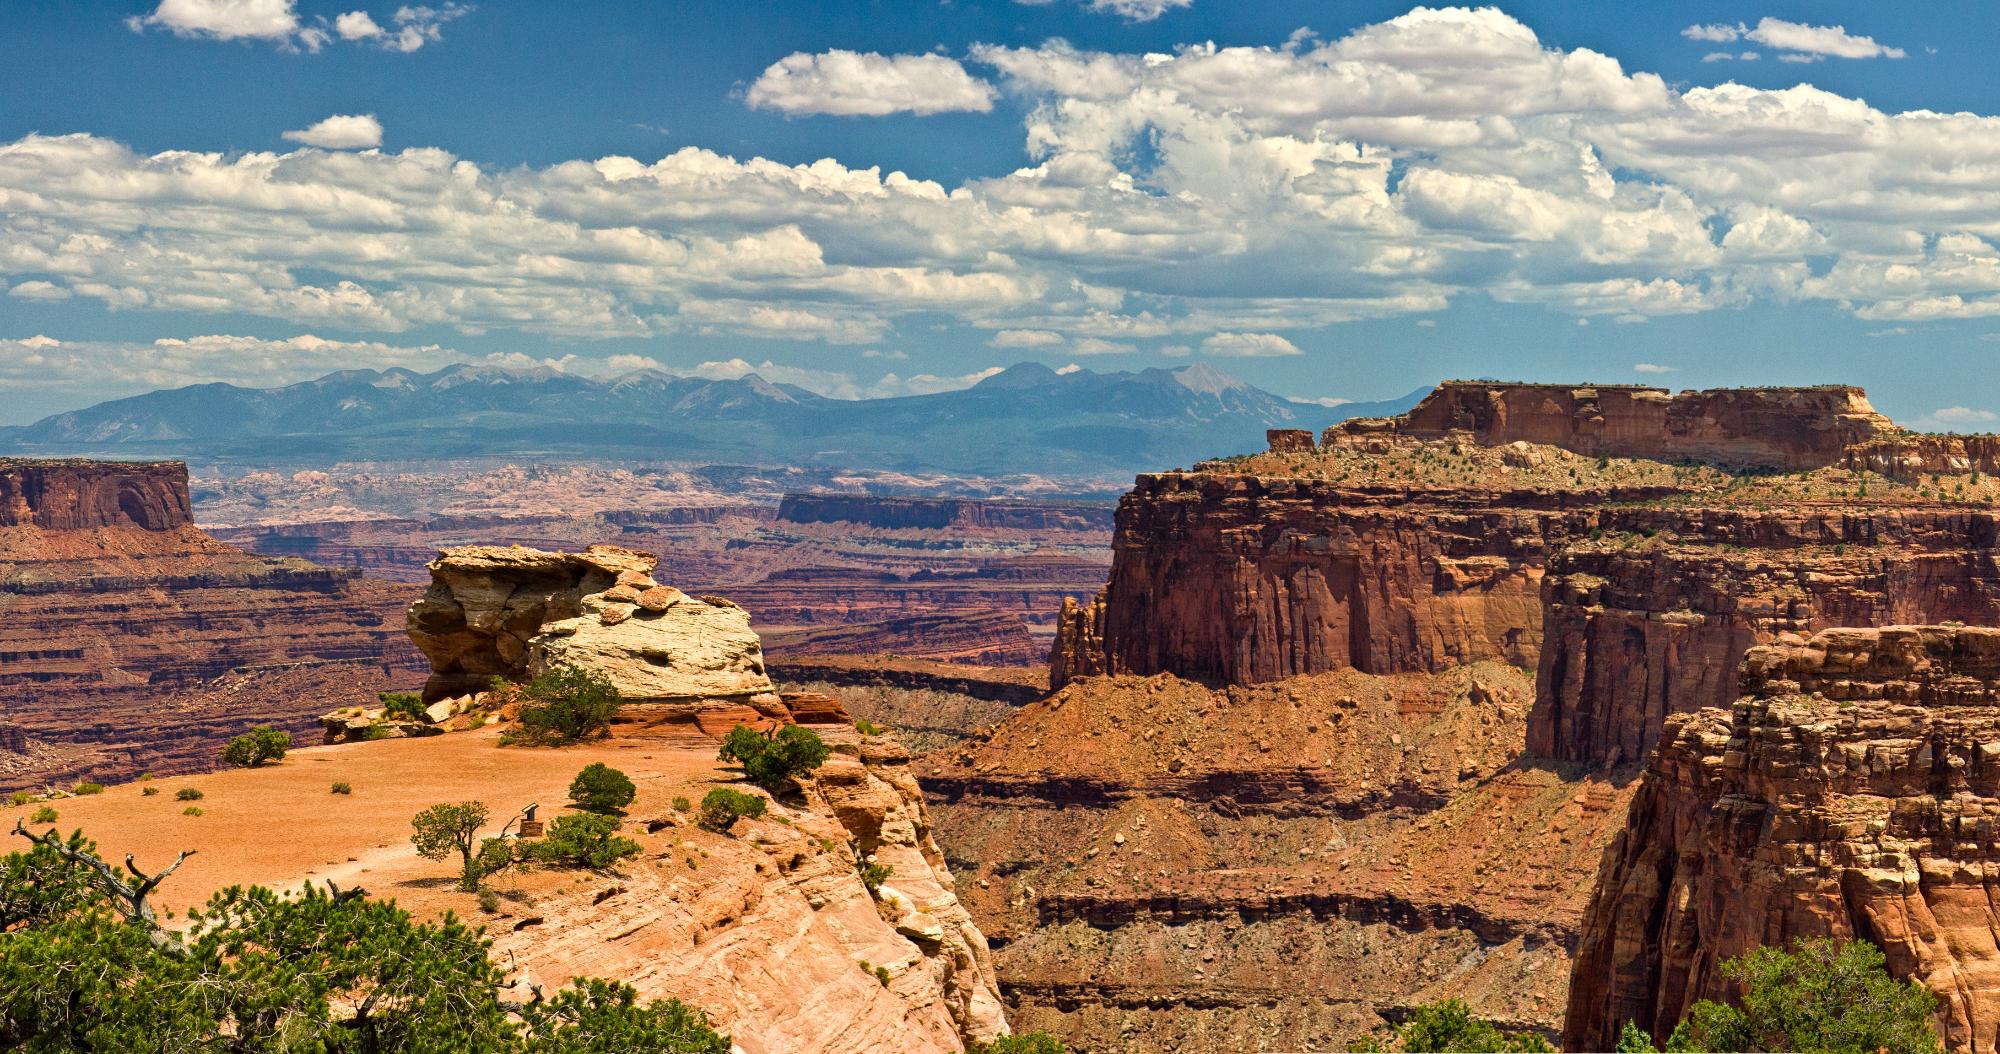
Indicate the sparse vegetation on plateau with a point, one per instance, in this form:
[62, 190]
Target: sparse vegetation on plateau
[722, 807]
[601, 788]
[584, 840]
[86, 966]
[340, 787]
[256, 747]
[1023, 1043]
[774, 760]
[188, 794]
[443, 829]
[87, 788]
[565, 705]
[402, 706]
[45, 814]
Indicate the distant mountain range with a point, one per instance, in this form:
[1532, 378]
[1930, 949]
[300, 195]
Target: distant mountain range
[1026, 419]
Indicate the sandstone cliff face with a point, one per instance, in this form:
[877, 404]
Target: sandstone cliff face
[1789, 428]
[1851, 792]
[65, 495]
[1240, 579]
[1651, 614]
[773, 930]
[516, 612]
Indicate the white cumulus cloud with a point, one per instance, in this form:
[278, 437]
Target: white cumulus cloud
[223, 19]
[1244, 194]
[341, 132]
[1130, 10]
[1249, 345]
[1796, 41]
[867, 84]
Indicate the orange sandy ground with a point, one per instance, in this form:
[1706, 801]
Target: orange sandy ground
[278, 825]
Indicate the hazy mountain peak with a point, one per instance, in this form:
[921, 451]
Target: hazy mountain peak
[1022, 375]
[1206, 379]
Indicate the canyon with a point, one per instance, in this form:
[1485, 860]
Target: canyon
[133, 641]
[1361, 721]
[1576, 568]
[976, 581]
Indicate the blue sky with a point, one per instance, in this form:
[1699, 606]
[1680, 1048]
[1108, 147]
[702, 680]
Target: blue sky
[1551, 191]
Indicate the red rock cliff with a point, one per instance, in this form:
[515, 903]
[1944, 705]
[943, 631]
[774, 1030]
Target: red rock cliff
[65, 495]
[1790, 428]
[1245, 579]
[1850, 792]
[1651, 612]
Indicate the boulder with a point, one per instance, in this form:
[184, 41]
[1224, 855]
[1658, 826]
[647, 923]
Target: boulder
[515, 612]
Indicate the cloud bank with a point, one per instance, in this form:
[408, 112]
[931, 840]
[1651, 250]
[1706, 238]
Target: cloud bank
[1196, 199]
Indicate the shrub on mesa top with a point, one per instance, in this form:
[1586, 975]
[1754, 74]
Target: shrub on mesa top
[565, 705]
[772, 760]
[601, 788]
[255, 747]
[87, 967]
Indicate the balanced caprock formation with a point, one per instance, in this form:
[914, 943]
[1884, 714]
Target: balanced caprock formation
[1354, 718]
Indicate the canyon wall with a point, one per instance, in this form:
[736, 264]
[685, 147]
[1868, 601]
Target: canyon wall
[1241, 579]
[1851, 791]
[63, 495]
[1651, 611]
[1785, 428]
[939, 513]
[130, 640]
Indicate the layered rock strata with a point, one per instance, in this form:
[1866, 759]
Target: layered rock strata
[1162, 866]
[1633, 587]
[132, 641]
[1850, 791]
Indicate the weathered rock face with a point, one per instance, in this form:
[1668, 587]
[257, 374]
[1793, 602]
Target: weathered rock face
[1789, 428]
[515, 612]
[67, 495]
[1652, 612]
[1851, 791]
[1242, 580]
[772, 928]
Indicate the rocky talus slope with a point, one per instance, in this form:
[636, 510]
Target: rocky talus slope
[1163, 866]
[133, 641]
[1851, 791]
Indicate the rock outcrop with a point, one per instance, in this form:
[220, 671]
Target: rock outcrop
[515, 612]
[1784, 428]
[1851, 791]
